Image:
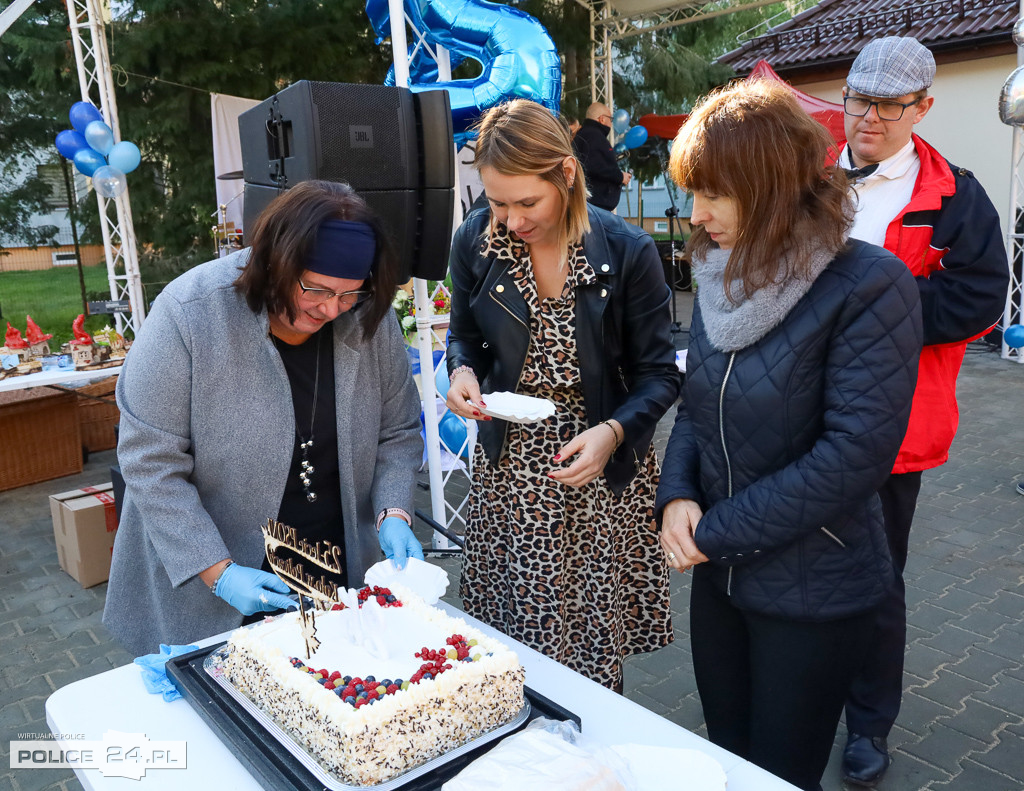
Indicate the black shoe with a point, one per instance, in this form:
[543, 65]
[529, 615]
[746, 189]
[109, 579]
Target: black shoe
[865, 760]
[1020, 486]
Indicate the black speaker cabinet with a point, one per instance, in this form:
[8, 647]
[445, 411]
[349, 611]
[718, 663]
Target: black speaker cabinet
[390, 145]
[369, 136]
[417, 222]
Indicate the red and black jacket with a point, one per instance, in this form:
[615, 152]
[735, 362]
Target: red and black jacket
[949, 237]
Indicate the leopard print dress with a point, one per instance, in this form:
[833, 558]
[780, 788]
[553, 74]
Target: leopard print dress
[576, 573]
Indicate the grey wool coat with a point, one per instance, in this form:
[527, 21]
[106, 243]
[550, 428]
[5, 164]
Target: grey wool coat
[206, 437]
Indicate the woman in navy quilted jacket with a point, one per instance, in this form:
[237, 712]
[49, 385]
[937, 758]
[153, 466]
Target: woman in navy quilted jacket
[800, 371]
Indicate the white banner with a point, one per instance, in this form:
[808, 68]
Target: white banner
[227, 154]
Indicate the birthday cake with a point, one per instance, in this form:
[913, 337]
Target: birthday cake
[391, 684]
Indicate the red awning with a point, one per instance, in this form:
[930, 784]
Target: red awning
[828, 114]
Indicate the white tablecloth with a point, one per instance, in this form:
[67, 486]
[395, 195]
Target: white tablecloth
[117, 700]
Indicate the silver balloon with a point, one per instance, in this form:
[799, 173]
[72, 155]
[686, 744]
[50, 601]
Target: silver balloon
[1018, 32]
[109, 182]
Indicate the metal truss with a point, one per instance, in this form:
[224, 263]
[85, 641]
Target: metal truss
[87, 20]
[1015, 247]
[621, 26]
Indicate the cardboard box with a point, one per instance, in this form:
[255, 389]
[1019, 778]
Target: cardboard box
[84, 526]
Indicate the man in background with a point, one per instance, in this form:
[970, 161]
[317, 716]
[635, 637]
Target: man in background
[592, 149]
[938, 220]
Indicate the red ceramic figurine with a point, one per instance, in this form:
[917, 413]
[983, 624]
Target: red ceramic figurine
[13, 339]
[82, 338]
[35, 335]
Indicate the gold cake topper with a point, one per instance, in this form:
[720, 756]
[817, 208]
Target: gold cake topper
[321, 554]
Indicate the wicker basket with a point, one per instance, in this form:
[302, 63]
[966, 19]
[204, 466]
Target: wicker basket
[98, 418]
[39, 437]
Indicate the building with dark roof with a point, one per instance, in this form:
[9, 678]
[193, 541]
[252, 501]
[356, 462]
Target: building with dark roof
[974, 54]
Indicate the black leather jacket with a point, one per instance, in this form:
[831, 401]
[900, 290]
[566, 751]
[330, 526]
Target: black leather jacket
[623, 333]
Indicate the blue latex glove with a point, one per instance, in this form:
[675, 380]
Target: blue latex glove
[398, 542]
[253, 590]
[154, 670]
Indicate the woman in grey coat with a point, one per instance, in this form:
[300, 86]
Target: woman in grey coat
[273, 383]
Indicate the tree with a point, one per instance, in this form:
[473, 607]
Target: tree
[38, 84]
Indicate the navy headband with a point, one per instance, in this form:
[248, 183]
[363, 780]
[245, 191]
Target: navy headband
[343, 249]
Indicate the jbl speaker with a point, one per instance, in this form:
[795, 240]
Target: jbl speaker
[392, 146]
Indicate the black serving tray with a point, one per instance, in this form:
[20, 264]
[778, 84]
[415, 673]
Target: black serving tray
[274, 767]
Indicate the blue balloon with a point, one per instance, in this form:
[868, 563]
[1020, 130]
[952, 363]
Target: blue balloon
[88, 160]
[453, 431]
[82, 114]
[636, 136]
[1014, 336]
[518, 56]
[619, 149]
[109, 182]
[100, 137]
[441, 380]
[620, 121]
[69, 143]
[124, 156]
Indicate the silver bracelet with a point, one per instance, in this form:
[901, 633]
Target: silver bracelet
[213, 585]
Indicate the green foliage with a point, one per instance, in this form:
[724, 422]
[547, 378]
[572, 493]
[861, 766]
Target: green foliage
[53, 298]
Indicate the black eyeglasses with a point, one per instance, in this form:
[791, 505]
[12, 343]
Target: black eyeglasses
[348, 299]
[887, 110]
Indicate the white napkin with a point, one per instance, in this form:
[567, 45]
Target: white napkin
[672, 768]
[427, 581]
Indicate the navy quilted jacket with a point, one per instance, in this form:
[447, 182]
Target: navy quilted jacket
[784, 443]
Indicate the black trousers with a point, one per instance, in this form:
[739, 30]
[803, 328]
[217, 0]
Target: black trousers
[877, 689]
[772, 689]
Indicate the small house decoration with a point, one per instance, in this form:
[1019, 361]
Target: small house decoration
[113, 340]
[15, 344]
[37, 339]
[82, 344]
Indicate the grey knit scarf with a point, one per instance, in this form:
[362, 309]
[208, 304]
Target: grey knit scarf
[730, 326]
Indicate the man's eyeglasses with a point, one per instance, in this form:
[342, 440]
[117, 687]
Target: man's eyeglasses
[887, 110]
[347, 299]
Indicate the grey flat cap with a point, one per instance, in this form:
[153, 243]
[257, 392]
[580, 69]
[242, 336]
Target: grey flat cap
[892, 66]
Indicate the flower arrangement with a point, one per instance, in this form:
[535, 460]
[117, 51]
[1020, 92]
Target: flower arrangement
[405, 305]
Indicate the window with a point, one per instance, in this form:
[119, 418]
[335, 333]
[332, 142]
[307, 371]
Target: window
[65, 258]
[661, 226]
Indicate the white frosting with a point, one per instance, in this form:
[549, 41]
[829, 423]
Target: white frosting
[378, 741]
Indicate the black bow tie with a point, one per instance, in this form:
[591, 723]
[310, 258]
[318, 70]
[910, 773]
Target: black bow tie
[853, 174]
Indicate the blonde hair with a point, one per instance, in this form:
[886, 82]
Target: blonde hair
[523, 138]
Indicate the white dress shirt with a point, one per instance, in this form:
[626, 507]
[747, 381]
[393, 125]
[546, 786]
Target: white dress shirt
[882, 195]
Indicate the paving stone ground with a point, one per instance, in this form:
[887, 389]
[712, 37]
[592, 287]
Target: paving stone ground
[962, 723]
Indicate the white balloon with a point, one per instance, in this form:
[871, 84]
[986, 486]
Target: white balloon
[1018, 32]
[109, 182]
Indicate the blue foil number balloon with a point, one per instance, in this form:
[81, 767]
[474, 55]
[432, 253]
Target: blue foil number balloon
[518, 57]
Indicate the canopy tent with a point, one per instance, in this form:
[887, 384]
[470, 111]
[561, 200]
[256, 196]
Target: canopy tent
[828, 114]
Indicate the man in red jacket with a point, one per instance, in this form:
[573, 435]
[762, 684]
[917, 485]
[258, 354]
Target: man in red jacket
[939, 221]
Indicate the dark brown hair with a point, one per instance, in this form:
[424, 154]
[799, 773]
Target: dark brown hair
[283, 236]
[752, 142]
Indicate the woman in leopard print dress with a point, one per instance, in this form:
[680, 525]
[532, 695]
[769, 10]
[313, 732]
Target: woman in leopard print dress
[555, 299]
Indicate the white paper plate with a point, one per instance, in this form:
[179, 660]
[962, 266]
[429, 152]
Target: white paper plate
[516, 408]
[672, 768]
